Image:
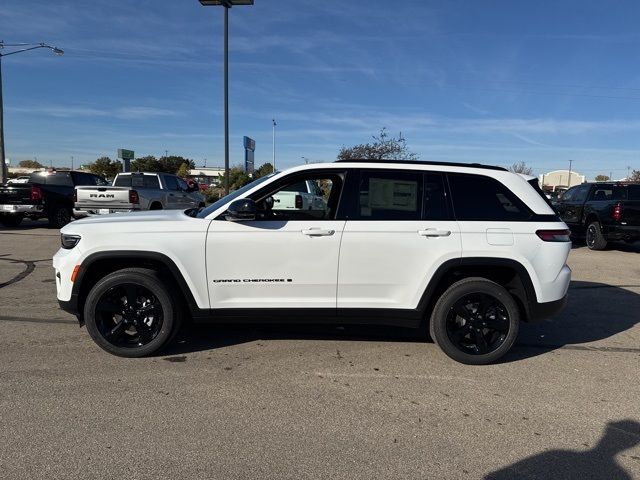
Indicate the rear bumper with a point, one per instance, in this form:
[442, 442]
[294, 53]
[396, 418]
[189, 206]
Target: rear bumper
[81, 211]
[623, 232]
[20, 209]
[542, 311]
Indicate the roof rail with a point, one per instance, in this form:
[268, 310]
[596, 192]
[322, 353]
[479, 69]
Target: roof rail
[426, 162]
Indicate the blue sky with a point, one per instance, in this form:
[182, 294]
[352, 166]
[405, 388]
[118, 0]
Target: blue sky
[491, 81]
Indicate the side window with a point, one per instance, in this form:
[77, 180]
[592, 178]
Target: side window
[151, 181]
[581, 193]
[389, 195]
[287, 202]
[101, 182]
[82, 179]
[171, 182]
[435, 198]
[477, 197]
[568, 195]
[182, 185]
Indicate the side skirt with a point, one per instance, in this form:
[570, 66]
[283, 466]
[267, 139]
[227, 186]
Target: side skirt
[343, 316]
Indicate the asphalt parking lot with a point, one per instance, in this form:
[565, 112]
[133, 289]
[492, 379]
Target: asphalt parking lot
[313, 402]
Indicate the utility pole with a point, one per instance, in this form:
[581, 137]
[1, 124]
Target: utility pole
[569, 181]
[166, 153]
[71, 162]
[274, 144]
[628, 172]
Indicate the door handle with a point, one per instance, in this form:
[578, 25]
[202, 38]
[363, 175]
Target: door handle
[317, 232]
[434, 232]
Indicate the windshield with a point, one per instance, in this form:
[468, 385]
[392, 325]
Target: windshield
[232, 196]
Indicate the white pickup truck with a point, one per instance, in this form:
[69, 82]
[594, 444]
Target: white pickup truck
[134, 191]
[303, 196]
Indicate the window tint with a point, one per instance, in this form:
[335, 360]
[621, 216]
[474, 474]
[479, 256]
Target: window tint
[389, 195]
[295, 187]
[633, 192]
[476, 197]
[435, 199]
[581, 193]
[123, 181]
[182, 185]
[83, 179]
[171, 182]
[151, 181]
[58, 178]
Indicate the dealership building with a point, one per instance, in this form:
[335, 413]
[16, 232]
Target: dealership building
[560, 179]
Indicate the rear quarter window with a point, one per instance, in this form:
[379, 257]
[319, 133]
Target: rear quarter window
[477, 197]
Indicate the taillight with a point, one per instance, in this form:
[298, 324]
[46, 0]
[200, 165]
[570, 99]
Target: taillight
[36, 193]
[133, 197]
[554, 235]
[298, 201]
[616, 214]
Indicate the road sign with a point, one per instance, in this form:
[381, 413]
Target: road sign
[249, 149]
[125, 154]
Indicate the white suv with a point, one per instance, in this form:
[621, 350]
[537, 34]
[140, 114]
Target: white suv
[470, 249]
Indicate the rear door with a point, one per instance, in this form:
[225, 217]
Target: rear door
[174, 193]
[399, 230]
[571, 206]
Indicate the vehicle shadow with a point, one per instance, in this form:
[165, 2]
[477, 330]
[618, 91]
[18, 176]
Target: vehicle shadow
[597, 462]
[596, 311]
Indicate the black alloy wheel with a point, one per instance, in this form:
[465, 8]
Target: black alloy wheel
[129, 315]
[131, 312]
[594, 238]
[478, 324]
[475, 321]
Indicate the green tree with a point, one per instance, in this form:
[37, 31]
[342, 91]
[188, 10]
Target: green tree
[383, 147]
[146, 164]
[105, 167]
[237, 178]
[602, 178]
[635, 176]
[183, 171]
[172, 163]
[262, 170]
[521, 167]
[30, 164]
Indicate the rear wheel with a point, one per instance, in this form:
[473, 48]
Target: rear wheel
[11, 220]
[475, 321]
[595, 239]
[130, 313]
[59, 216]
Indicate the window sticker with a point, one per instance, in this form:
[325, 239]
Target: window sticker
[390, 194]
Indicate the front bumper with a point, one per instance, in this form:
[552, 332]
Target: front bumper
[20, 209]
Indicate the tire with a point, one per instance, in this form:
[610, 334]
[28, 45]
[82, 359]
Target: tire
[11, 220]
[132, 332]
[59, 216]
[475, 321]
[594, 238]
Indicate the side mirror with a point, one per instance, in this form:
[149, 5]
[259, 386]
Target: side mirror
[240, 210]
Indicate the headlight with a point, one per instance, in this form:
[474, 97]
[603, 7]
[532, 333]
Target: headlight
[69, 241]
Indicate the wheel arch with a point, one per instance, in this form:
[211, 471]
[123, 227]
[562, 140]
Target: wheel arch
[509, 273]
[99, 264]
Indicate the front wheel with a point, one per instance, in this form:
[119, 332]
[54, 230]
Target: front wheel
[130, 313]
[475, 321]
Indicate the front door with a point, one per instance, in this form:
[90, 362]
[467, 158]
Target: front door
[285, 258]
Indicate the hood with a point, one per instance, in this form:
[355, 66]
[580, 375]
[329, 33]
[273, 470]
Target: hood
[116, 220]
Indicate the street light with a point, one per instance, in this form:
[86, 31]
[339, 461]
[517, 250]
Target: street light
[227, 4]
[22, 47]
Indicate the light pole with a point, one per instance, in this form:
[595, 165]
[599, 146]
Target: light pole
[22, 47]
[227, 4]
[273, 120]
[569, 181]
